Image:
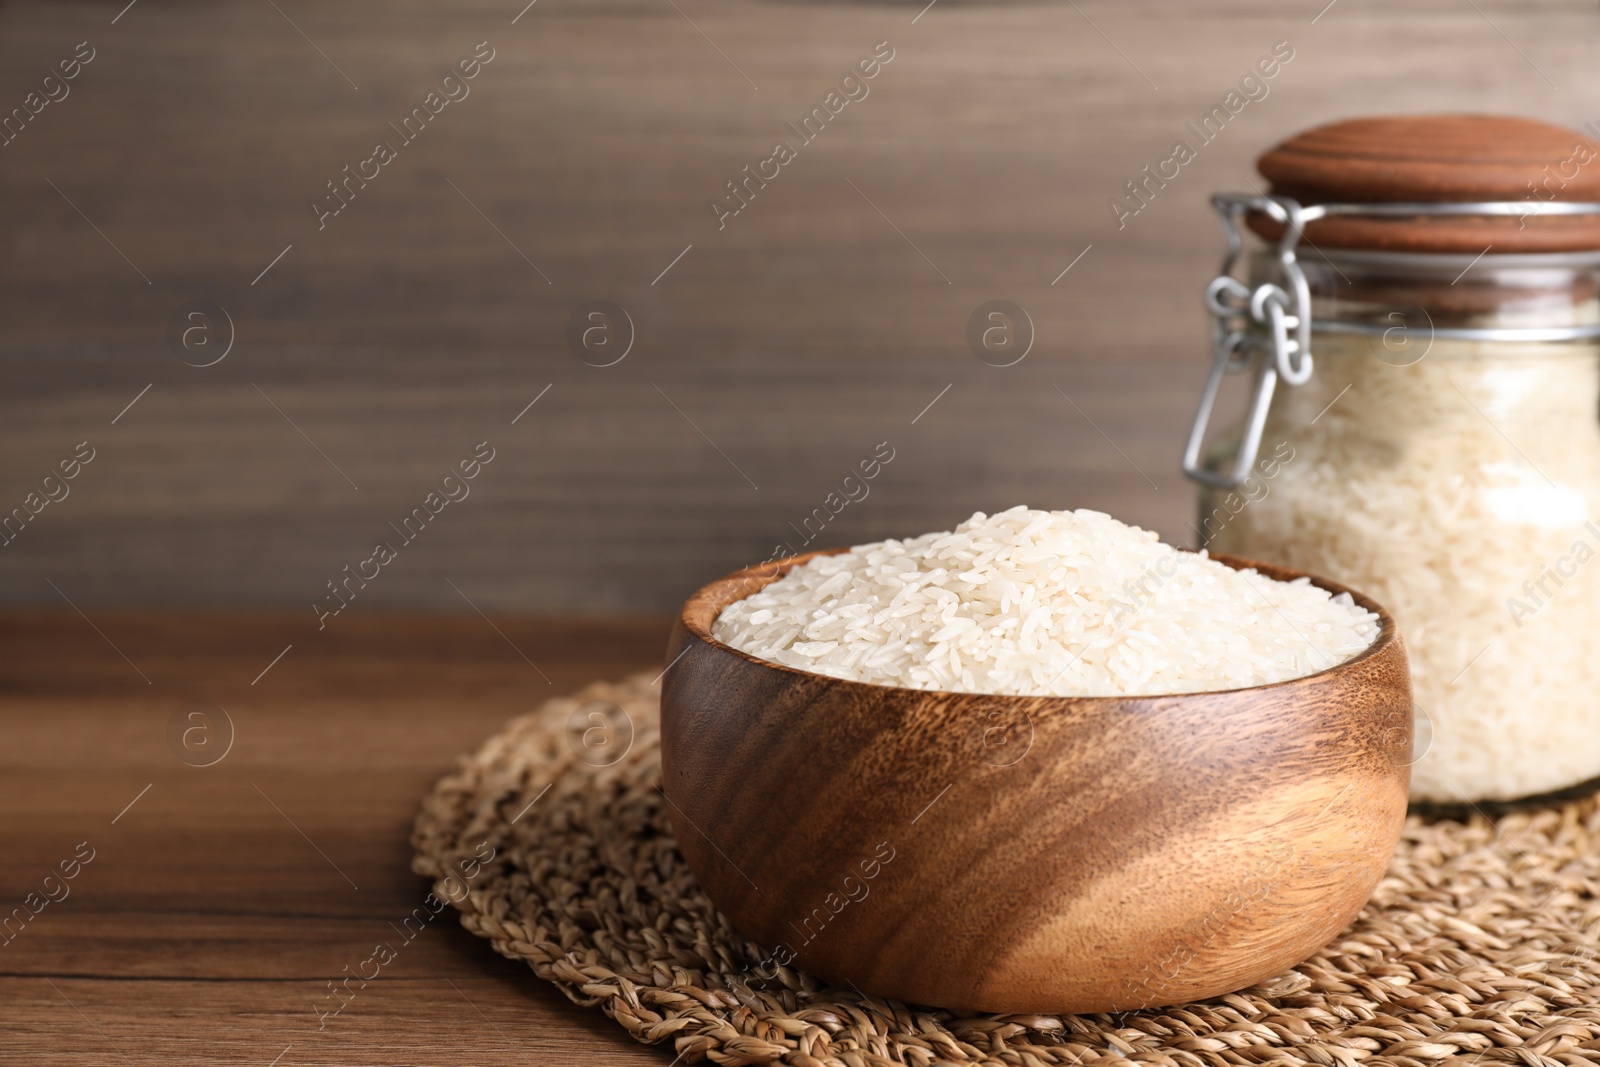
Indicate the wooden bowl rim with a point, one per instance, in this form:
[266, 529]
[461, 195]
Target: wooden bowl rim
[700, 611]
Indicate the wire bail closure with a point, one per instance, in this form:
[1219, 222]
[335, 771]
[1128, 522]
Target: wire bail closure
[1269, 327]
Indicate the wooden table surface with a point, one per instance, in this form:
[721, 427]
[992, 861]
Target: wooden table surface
[220, 901]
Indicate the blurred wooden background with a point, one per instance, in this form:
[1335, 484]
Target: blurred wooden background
[775, 353]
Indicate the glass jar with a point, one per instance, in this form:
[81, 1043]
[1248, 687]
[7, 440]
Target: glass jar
[1442, 455]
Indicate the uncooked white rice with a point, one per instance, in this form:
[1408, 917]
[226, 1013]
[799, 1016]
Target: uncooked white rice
[1058, 603]
[1443, 490]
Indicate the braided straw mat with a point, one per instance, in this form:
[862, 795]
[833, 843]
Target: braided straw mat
[1479, 944]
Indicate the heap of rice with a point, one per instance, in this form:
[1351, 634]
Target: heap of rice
[1044, 603]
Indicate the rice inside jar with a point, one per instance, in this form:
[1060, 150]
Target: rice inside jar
[1444, 453]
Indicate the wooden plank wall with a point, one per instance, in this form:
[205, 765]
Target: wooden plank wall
[773, 356]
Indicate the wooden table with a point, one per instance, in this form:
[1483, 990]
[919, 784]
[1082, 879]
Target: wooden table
[221, 900]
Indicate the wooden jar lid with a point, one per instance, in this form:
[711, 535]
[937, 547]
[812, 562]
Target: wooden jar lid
[1428, 158]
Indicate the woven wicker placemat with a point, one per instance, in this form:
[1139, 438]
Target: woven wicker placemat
[1479, 945]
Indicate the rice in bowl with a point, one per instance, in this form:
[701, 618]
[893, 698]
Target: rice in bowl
[1044, 603]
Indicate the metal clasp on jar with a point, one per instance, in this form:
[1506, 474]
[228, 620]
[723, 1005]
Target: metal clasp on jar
[1268, 327]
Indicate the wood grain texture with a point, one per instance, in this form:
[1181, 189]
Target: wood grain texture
[796, 339]
[217, 908]
[1429, 158]
[1019, 854]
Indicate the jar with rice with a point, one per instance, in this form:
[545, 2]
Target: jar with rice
[1421, 329]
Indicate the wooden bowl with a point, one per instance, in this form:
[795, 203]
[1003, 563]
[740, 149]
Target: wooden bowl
[1031, 854]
